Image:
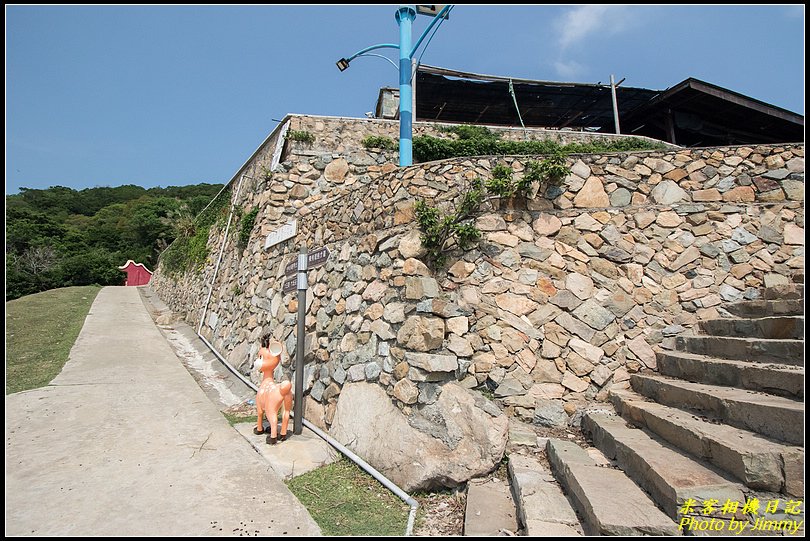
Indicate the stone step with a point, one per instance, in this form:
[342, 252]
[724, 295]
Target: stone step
[758, 350]
[779, 379]
[669, 475]
[758, 462]
[606, 499]
[542, 508]
[490, 509]
[774, 416]
[766, 308]
[780, 327]
[785, 291]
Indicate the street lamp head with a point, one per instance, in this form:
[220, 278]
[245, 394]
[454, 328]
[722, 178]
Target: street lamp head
[342, 64]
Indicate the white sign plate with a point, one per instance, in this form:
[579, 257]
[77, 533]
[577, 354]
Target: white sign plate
[285, 232]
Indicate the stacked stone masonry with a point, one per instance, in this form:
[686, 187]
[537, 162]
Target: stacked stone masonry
[565, 297]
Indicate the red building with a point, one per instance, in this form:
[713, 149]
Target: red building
[137, 273]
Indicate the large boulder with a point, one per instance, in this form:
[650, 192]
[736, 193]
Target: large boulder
[460, 436]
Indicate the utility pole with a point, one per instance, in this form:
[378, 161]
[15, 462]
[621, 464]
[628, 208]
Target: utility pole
[615, 104]
[301, 286]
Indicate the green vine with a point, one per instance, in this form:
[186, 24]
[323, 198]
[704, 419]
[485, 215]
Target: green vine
[442, 232]
[246, 226]
[502, 183]
[548, 172]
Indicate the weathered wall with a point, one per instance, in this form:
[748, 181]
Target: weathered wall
[343, 135]
[307, 176]
[561, 300]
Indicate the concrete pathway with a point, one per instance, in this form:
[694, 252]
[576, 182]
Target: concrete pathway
[124, 442]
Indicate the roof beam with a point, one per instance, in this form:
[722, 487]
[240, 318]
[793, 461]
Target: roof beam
[743, 101]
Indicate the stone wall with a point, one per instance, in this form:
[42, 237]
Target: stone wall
[343, 135]
[304, 178]
[564, 297]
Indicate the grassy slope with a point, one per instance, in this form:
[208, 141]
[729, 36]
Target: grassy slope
[345, 500]
[40, 330]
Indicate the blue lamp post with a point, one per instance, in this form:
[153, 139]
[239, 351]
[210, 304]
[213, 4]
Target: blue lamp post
[405, 16]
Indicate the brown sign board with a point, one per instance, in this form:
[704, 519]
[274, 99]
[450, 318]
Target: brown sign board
[314, 260]
[289, 284]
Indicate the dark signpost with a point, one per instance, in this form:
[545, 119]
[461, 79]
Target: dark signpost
[314, 260]
[296, 278]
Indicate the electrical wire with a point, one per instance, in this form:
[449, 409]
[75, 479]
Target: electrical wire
[418, 62]
[383, 57]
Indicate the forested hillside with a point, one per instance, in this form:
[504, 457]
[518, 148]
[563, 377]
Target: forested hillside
[63, 237]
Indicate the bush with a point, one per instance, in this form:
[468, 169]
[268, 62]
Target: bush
[480, 141]
[91, 267]
[378, 141]
[190, 252]
[467, 131]
[441, 232]
[546, 173]
[302, 136]
[501, 183]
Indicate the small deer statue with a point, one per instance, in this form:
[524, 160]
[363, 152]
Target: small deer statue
[271, 395]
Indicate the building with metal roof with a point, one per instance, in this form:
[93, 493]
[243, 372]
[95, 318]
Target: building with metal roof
[691, 113]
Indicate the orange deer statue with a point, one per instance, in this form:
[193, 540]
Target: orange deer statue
[271, 395]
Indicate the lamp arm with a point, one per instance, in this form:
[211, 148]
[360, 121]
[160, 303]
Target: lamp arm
[371, 48]
[439, 18]
[383, 57]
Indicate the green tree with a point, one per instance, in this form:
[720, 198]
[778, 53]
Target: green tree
[92, 267]
[59, 236]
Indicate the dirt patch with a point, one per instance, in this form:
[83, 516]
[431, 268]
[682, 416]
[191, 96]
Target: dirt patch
[243, 409]
[441, 513]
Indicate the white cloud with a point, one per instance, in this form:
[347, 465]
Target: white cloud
[568, 70]
[590, 24]
[577, 24]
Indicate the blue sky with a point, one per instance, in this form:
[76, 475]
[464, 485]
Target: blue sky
[157, 96]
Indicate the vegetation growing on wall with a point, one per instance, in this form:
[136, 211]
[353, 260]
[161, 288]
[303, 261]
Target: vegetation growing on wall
[480, 141]
[502, 184]
[246, 226]
[443, 232]
[301, 136]
[380, 141]
[548, 172]
[470, 132]
[189, 252]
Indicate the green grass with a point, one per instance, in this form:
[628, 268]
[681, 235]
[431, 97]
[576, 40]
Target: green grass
[344, 500]
[40, 330]
[236, 419]
[484, 390]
